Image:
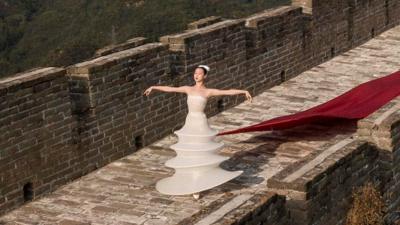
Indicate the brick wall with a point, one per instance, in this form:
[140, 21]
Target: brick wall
[37, 135]
[382, 129]
[97, 110]
[365, 25]
[275, 47]
[115, 119]
[322, 195]
[266, 208]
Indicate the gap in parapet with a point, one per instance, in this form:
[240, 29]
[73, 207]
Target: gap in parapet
[67, 122]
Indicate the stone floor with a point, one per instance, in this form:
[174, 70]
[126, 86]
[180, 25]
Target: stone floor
[123, 192]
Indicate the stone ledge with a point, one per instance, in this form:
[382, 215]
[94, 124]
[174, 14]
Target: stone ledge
[178, 42]
[301, 176]
[271, 15]
[104, 62]
[305, 4]
[382, 127]
[131, 43]
[30, 78]
[263, 207]
[204, 22]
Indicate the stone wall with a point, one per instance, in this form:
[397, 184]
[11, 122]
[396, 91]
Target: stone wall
[322, 193]
[106, 115]
[267, 208]
[37, 135]
[275, 47]
[114, 117]
[318, 189]
[382, 129]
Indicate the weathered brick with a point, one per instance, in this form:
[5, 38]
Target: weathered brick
[108, 110]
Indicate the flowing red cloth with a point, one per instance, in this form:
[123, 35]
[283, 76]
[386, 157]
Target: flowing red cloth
[357, 103]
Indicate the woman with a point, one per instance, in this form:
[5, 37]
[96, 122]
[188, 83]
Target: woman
[200, 75]
[197, 162]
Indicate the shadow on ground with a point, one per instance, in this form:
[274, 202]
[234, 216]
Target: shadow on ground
[291, 143]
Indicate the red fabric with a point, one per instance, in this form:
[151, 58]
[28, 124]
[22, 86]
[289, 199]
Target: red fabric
[357, 103]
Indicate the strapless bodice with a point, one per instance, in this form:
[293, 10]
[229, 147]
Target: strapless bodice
[196, 120]
[196, 103]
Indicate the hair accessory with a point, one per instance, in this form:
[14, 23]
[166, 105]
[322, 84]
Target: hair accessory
[205, 67]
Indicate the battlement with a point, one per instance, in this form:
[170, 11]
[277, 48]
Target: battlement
[204, 22]
[190, 39]
[62, 123]
[131, 43]
[307, 5]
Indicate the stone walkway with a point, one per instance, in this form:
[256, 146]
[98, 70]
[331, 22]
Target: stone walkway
[123, 192]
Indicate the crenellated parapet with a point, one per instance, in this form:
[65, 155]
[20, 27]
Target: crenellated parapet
[62, 123]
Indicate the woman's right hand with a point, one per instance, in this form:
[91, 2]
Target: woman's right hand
[148, 90]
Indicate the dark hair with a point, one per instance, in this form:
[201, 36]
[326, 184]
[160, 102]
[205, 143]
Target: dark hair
[204, 70]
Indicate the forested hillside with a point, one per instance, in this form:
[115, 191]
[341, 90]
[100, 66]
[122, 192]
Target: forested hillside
[62, 32]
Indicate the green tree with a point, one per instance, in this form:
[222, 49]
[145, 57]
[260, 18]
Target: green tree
[41, 33]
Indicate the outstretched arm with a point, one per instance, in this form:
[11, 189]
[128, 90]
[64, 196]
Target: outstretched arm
[182, 89]
[217, 92]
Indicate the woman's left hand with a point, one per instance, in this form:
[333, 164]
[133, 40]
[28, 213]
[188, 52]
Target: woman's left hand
[248, 96]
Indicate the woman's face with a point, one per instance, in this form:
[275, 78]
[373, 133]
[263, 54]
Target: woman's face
[198, 75]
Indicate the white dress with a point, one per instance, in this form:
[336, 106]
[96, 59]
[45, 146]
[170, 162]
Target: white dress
[197, 162]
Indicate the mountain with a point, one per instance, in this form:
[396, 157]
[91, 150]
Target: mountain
[37, 33]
